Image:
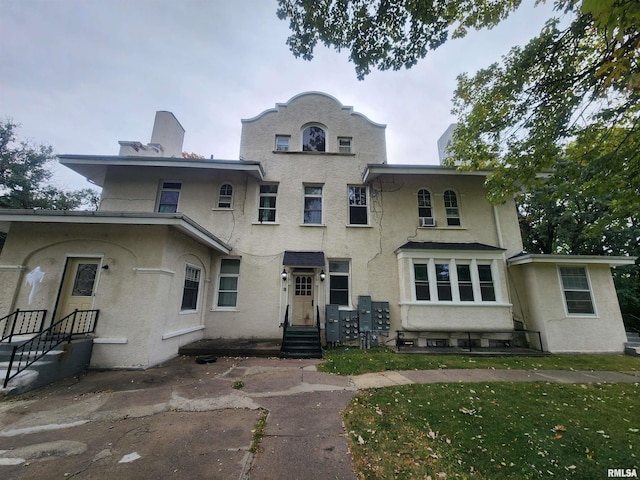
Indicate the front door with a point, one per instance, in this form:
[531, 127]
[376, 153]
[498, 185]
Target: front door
[78, 286]
[302, 299]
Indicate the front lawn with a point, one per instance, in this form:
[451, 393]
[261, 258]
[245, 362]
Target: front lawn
[495, 430]
[353, 361]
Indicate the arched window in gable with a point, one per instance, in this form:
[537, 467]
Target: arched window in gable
[313, 139]
[452, 208]
[225, 196]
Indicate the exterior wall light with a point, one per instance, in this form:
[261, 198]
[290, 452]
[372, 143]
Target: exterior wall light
[284, 275]
[322, 275]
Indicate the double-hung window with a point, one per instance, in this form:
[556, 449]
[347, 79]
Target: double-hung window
[282, 143]
[465, 284]
[443, 282]
[421, 275]
[339, 282]
[344, 144]
[225, 196]
[190, 289]
[228, 283]
[168, 197]
[358, 207]
[451, 208]
[577, 293]
[267, 208]
[487, 290]
[312, 204]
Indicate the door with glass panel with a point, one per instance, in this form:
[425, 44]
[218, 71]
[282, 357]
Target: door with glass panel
[78, 286]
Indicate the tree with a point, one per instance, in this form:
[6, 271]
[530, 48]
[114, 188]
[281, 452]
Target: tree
[516, 116]
[24, 176]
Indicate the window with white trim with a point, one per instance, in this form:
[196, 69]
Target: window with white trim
[225, 196]
[576, 290]
[267, 207]
[168, 197]
[339, 282]
[344, 144]
[453, 280]
[424, 207]
[451, 208]
[282, 143]
[190, 289]
[228, 283]
[358, 206]
[312, 204]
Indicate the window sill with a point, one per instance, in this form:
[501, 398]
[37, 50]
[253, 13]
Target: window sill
[445, 303]
[225, 309]
[221, 209]
[355, 225]
[265, 223]
[313, 225]
[188, 312]
[446, 227]
[302, 152]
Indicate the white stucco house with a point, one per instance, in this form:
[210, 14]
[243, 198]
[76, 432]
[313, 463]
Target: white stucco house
[311, 219]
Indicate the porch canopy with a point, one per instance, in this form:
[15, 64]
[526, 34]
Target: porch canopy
[303, 259]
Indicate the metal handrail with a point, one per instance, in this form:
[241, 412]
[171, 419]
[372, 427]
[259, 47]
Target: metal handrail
[32, 322]
[468, 333]
[27, 353]
[285, 325]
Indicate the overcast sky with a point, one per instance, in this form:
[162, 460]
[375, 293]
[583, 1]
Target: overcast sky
[81, 75]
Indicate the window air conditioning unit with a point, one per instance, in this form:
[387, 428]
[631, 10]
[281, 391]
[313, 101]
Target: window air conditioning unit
[427, 222]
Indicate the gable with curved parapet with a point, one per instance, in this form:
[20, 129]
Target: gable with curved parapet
[312, 123]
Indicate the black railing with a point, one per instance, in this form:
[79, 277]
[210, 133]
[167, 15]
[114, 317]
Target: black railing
[285, 325]
[469, 336]
[22, 322]
[80, 322]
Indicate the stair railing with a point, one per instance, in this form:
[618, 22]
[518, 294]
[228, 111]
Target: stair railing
[24, 322]
[79, 322]
[285, 324]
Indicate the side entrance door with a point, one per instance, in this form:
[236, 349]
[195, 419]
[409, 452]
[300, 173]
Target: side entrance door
[303, 299]
[78, 286]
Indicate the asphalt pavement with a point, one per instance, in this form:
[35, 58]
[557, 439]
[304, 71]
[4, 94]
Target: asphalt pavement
[186, 420]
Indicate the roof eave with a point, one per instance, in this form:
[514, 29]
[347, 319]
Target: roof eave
[612, 261]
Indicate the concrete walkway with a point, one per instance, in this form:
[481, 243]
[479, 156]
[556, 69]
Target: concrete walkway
[184, 420]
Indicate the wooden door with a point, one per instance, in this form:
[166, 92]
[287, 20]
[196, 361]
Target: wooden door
[303, 299]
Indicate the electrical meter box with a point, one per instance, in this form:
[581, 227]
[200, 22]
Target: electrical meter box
[348, 325]
[380, 318]
[364, 311]
[332, 323]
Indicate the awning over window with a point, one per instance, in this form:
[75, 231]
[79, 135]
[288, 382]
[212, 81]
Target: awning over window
[303, 259]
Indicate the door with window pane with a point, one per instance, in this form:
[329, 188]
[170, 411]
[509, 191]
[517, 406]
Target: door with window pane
[78, 286]
[303, 299]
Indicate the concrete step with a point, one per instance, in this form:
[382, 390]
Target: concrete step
[632, 350]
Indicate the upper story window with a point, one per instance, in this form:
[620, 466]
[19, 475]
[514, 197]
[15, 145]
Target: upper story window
[344, 144]
[267, 207]
[451, 208]
[168, 197]
[313, 139]
[358, 206]
[312, 204]
[425, 212]
[225, 196]
[577, 293]
[282, 143]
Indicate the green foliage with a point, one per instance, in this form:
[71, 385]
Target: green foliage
[24, 173]
[354, 361]
[494, 430]
[385, 34]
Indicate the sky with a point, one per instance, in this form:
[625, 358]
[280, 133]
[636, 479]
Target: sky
[80, 75]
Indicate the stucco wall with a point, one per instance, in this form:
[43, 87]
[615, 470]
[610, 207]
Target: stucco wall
[603, 332]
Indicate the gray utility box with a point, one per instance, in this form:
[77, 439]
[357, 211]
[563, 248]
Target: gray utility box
[349, 322]
[380, 318]
[364, 311]
[332, 323]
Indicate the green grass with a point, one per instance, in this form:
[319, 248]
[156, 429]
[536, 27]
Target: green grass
[354, 361]
[494, 430]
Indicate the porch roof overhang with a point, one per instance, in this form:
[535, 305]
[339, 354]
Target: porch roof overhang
[94, 167]
[303, 259]
[374, 171]
[612, 261]
[179, 221]
[458, 246]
